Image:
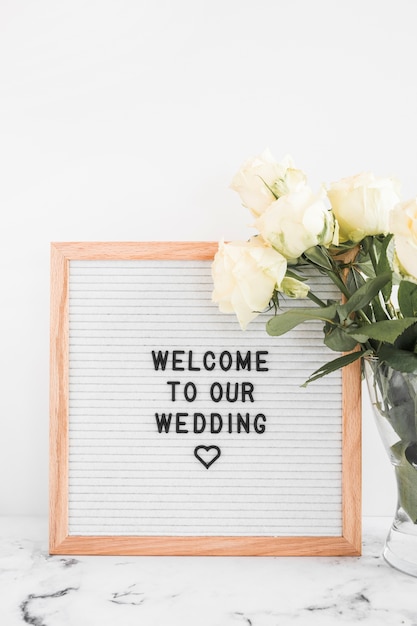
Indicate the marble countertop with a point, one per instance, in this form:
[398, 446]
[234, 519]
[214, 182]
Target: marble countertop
[44, 590]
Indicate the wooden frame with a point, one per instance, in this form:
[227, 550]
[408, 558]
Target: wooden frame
[349, 543]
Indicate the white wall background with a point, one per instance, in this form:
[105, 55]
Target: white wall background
[126, 119]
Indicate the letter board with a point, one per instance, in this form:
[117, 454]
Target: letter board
[175, 432]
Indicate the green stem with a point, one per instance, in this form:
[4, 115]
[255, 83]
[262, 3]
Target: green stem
[364, 317]
[315, 299]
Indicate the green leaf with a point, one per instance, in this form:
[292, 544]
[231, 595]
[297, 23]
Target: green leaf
[401, 360]
[387, 330]
[378, 310]
[357, 334]
[407, 298]
[318, 257]
[366, 268]
[334, 365]
[292, 274]
[408, 339]
[405, 451]
[400, 409]
[365, 244]
[342, 248]
[354, 280]
[402, 419]
[384, 266]
[282, 323]
[336, 339]
[406, 479]
[366, 293]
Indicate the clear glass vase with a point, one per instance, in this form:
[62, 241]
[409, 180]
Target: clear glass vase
[393, 396]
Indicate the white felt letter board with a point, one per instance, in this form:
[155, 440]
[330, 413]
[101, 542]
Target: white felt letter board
[174, 432]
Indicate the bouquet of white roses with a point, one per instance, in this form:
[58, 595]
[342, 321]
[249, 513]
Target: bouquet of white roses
[356, 231]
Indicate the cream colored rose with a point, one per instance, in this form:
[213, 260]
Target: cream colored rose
[403, 223]
[362, 204]
[245, 275]
[296, 222]
[262, 180]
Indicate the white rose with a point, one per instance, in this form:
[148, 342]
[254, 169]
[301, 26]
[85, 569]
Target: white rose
[362, 204]
[261, 180]
[403, 223]
[296, 222]
[245, 275]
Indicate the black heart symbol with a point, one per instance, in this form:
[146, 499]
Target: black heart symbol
[215, 449]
